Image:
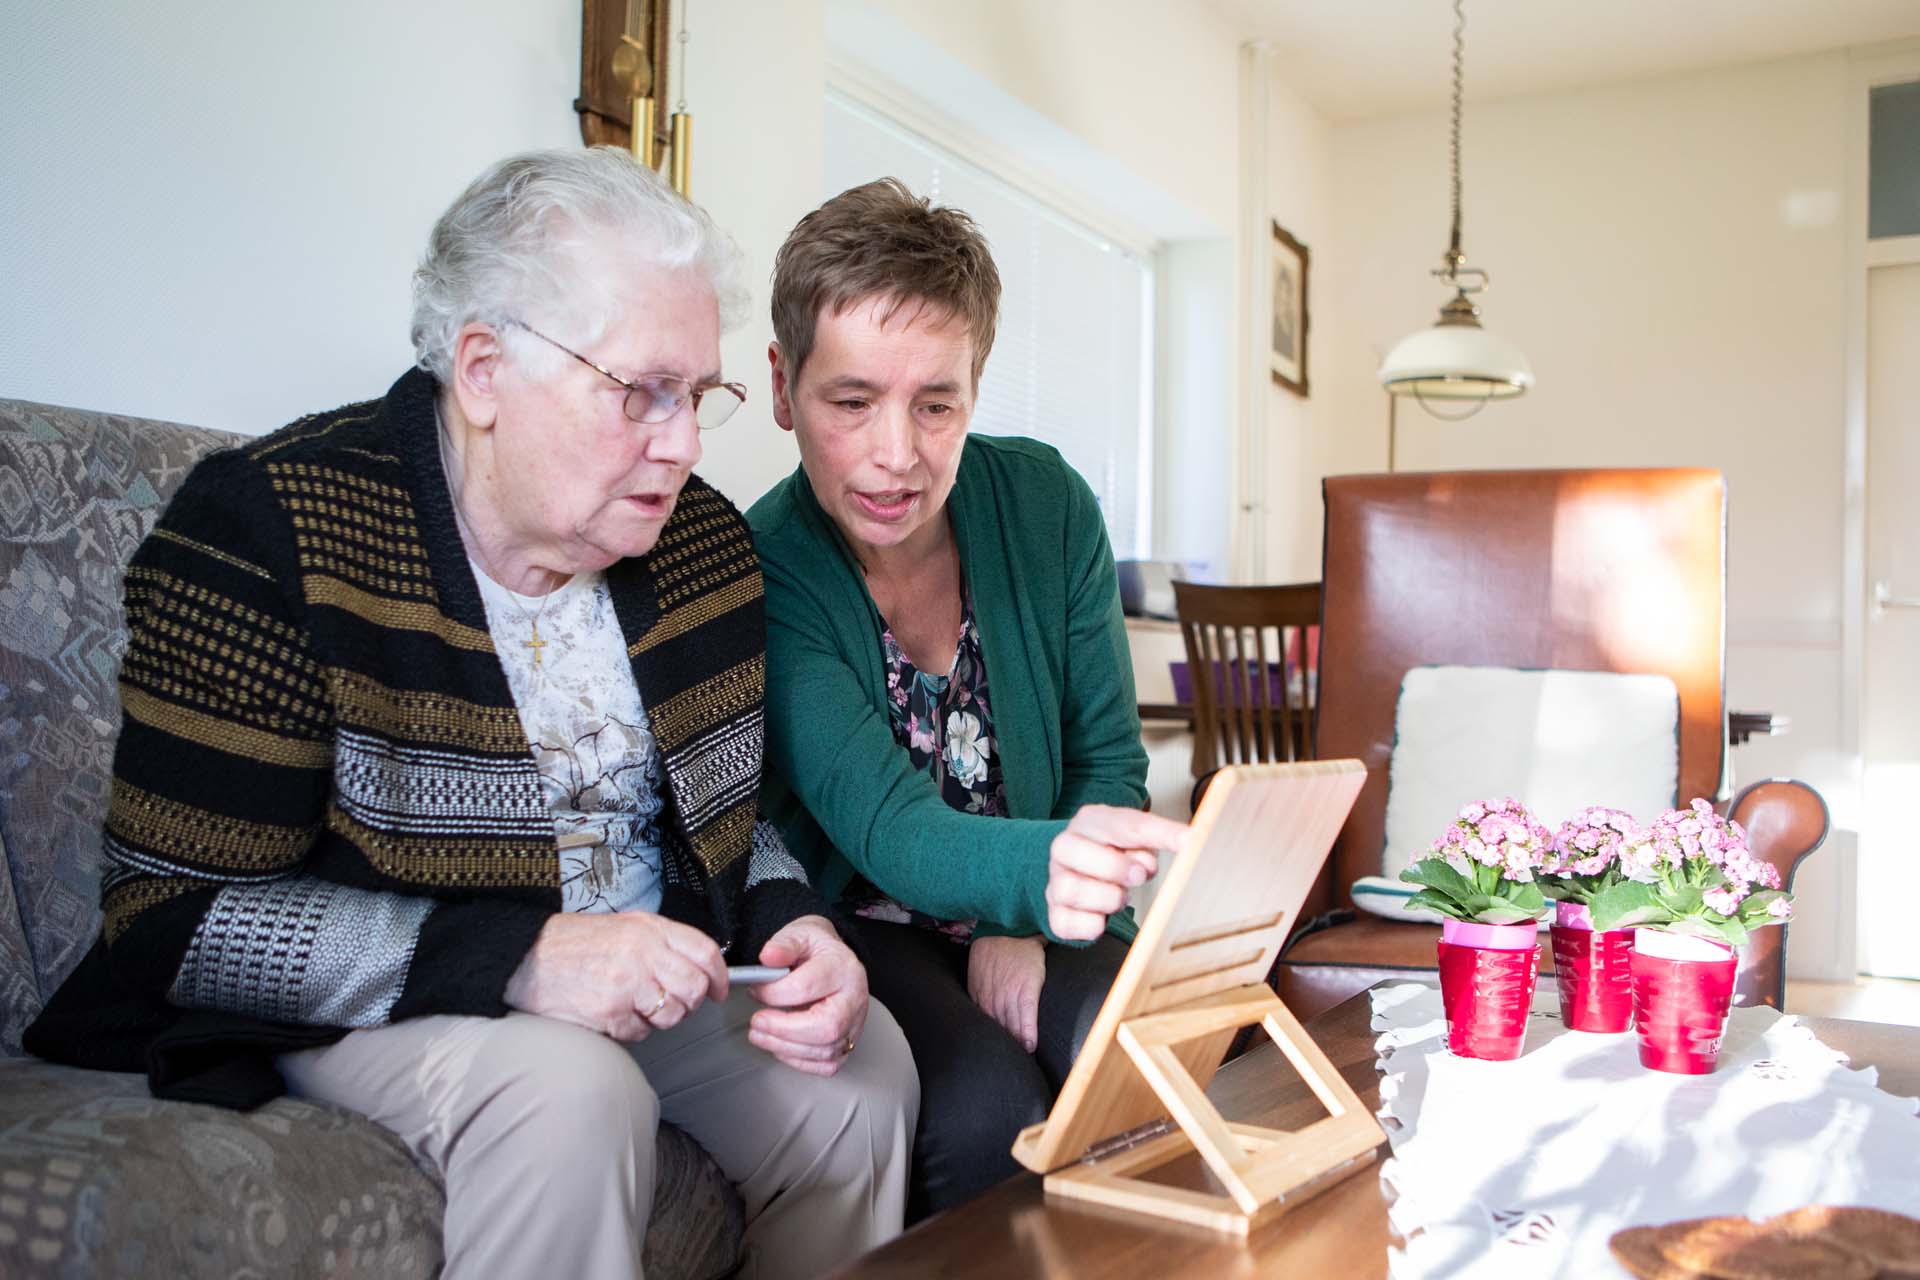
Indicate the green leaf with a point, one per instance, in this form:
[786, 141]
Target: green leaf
[1439, 902]
[1753, 911]
[1580, 889]
[1438, 873]
[1712, 926]
[1486, 878]
[1624, 905]
[1498, 912]
[1527, 896]
[1684, 900]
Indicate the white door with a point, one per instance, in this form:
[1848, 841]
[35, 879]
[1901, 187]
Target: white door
[1890, 695]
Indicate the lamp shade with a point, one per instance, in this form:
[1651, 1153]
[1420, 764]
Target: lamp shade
[1455, 362]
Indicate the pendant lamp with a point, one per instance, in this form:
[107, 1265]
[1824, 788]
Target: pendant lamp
[1456, 359]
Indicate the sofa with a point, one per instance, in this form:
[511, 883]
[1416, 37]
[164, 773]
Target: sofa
[97, 1177]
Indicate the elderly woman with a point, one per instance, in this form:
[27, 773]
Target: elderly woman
[436, 784]
[953, 743]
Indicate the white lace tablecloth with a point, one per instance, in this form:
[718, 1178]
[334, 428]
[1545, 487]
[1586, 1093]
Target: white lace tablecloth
[1525, 1168]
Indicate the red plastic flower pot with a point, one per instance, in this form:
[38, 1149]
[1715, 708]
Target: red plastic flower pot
[1594, 971]
[1486, 983]
[1682, 989]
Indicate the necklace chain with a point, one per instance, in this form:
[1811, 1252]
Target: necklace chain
[554, 578]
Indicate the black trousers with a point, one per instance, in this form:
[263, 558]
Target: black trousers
[978, 1086]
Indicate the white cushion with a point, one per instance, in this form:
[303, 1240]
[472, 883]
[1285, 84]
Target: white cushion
[1380, 896]
[1557, 741]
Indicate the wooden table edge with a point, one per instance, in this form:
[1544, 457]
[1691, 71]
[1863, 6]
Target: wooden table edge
[1013, 1230]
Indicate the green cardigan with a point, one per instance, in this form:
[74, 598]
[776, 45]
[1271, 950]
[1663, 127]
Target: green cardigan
[845, 796]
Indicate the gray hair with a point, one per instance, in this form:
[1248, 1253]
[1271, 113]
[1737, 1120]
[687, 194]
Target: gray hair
[529, 238]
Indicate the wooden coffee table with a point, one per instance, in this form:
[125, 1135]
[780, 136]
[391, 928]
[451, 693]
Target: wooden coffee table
[1015, 1231]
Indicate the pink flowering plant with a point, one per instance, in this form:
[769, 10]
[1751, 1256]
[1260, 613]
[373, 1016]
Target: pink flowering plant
[1583, 860]
[1483, 867]
[1693, 872]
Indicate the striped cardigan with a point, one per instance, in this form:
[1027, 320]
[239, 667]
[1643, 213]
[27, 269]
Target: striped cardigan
[324, 812]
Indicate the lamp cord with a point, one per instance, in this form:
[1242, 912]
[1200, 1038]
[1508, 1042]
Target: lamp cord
[1455, 257]
[681, 105]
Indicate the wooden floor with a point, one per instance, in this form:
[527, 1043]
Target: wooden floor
[1864, 1000]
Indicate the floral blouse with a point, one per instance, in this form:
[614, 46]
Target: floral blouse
[945, 727]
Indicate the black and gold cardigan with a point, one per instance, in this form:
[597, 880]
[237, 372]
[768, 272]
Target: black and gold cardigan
[324, 812]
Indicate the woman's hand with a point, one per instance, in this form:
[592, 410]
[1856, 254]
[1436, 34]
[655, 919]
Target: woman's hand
[622, 974]
[1004, 977]
[820, 1008]
[1104, 852]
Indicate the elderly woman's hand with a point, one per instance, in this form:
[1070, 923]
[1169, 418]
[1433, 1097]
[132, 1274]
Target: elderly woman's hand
[820, 1008]
[621, 974]
[1004, 977]
[1104, 852]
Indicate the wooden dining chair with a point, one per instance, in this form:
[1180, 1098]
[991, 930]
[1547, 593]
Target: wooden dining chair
[1252, 656]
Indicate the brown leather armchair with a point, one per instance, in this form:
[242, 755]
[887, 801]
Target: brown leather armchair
[1617, 570]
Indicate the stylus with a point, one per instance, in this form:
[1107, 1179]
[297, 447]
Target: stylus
[753, 975]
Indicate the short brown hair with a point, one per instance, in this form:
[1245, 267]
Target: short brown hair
[882, 241]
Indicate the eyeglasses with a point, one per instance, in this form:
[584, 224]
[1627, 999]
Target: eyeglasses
[656, 397]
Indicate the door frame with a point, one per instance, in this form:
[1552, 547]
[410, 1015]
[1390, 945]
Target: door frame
[1868, 68]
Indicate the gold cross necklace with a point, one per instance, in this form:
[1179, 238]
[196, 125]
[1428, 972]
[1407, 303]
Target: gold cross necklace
[536, 644]
[533, 620]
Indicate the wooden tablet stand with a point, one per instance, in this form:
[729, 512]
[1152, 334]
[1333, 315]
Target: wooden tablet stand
[1196, 975]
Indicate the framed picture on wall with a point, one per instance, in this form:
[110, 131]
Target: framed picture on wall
[1287, 350]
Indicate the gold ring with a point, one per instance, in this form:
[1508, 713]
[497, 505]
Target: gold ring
[658, 1005]
[847, 1048]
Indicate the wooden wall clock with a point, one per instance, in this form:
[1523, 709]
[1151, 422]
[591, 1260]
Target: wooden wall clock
[623, 56]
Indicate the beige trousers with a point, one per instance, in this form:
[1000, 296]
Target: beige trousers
[544, 1134]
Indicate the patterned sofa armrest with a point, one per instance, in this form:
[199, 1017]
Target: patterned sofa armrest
[78, 492]
[18, 988]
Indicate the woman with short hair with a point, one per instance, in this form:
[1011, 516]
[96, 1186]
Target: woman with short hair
[435, 792]
[953, 742]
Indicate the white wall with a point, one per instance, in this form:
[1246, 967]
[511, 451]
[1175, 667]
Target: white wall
[756, 85]
[1154, 85]
[1197, 440]
[219, 228]
[212, 209]
[1670, 255]
[1298, 185]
